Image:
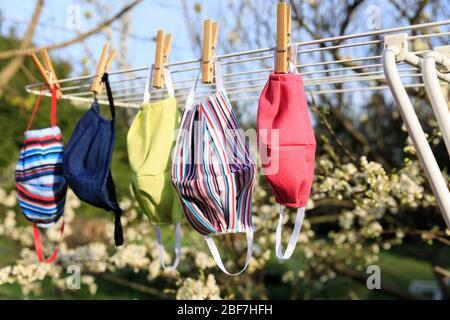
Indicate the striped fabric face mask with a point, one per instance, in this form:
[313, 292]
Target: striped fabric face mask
[214, 171]
[150, 142]
[287, 148]
[41, 188]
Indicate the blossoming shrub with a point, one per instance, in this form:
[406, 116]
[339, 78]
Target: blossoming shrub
[356, 211]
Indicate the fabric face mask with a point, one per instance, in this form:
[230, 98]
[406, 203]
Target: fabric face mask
[41, 187]
[150, 141]
[213, 170]
[87, 160]
[287, 148]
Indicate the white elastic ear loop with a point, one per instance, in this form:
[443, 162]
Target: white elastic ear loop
[294, 236]
[216, 255]
[274, 59]
[149, 81]
[147, 90]
[292, 68]
[293, 59]
[177, 247]
[218, 76]
[191, 96]
[168, 82]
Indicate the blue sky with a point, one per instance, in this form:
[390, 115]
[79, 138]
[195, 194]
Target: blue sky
[146, 19]
[151, 15]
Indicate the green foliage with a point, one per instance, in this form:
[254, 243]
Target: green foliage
[374, 209]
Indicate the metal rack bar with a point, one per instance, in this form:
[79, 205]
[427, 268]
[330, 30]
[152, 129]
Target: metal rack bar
[321, 75]
[425, 154]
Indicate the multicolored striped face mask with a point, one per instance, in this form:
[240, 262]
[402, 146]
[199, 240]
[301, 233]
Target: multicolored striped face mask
[214, 171]
[41, 187]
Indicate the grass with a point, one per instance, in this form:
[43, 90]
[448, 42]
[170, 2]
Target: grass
[396, 270]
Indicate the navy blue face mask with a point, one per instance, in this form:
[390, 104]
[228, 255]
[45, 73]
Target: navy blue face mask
[87, 160]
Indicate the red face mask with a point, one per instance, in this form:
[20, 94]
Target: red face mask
[286, 147]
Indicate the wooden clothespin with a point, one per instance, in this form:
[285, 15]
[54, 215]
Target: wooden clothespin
[103, 66]
[47, 72]
[112, 54]
[283, 37]
[161, 58]
[210, 33]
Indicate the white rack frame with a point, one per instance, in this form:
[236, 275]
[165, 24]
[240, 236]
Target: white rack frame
[77, 89]
[431, 79]
[396, 51]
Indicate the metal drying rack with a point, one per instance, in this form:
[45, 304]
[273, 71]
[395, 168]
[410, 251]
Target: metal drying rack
[245, 72]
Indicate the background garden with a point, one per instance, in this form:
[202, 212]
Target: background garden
[370, 203]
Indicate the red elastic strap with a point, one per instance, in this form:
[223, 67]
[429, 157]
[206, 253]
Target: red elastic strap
[38, 245]
[54, 106]
[36, 107]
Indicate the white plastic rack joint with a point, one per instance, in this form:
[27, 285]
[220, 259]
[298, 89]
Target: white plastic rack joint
[399, 44]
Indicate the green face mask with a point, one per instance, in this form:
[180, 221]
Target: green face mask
[150, 141]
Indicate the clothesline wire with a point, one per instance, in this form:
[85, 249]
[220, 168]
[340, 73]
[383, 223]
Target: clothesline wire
[314, 92]
[257, 88]
[312, 81]
[133, 85]
[252, 72]
[243, 53]
[309, 81]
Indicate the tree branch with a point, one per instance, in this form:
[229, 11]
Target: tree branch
[332, 132]
[134, 285]
[81, 37]
[14, 65]
[195, 36]
[341, 268]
